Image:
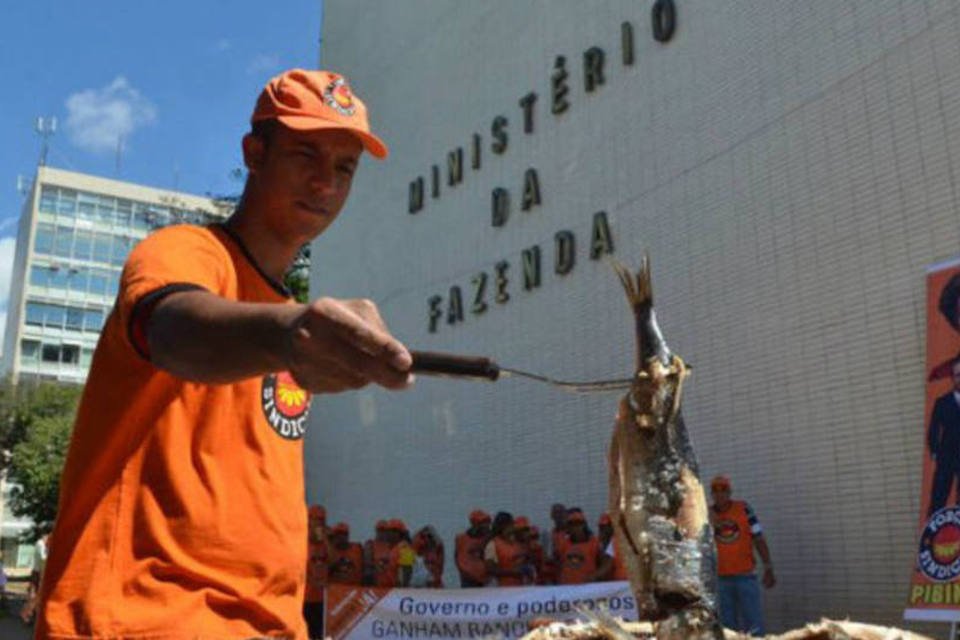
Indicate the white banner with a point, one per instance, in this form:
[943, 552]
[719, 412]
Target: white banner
[362, 613]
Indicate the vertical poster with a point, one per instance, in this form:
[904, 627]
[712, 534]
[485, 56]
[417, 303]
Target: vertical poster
[935, 582]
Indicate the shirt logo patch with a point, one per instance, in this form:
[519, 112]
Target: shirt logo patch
[939, 555]
[285, 405]
[726, 532]
[338, 97]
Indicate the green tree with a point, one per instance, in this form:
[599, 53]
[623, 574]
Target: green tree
[36, 423]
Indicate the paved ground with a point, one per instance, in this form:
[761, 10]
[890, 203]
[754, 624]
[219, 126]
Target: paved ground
[11, 628]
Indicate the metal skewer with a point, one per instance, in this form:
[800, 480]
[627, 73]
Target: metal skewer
[479, 368]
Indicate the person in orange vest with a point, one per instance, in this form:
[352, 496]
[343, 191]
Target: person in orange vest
[429, 548]
[581, 557]
[317, 570]
[737, 533]
[468, 551]
[402, 555]
[346, 558]
[506, 557]
[376, 555]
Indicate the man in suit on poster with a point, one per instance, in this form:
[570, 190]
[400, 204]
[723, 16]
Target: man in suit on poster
[943, 441]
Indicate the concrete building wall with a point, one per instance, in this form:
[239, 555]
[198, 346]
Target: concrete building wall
[790, 168]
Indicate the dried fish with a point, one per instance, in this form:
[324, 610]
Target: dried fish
[657, 502]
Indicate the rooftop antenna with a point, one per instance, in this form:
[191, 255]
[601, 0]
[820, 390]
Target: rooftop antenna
[45, 127]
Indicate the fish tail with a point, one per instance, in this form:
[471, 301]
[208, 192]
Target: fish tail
[638, 287]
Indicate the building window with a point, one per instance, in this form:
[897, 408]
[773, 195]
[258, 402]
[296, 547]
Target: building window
[92, 320]
[70, 354]
[43, 243]
[29, 349]
[50, 353]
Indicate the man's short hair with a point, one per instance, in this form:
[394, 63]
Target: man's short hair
[265, 129]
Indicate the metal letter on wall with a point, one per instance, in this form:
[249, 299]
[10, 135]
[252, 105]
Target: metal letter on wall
[531, 267]
[434, 312]
[416, 195]
[663, 17]
[626, 43]
[558, 86]
[475, 155]
[526, 103]
[531, 190]
[500, 207]
[499, 132]
[592, 68]
[435, 181]
[601, 240]
[564, 255]
[455, 166]
[479, 282]
[455, 306]
[500, 279]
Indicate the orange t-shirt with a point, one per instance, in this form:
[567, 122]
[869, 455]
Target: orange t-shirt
[181, 508]
[733, 531]
[510, 555]
[578, 560]
[469, 557]
[346, 565]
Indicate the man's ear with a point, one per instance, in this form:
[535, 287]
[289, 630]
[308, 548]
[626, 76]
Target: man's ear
[254, 151]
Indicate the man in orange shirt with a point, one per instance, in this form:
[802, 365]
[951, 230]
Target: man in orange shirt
[376, 556]
[346, 558]
[182, 506]
[737, 533]
[582, 559]
[507, 558]
[469, 550]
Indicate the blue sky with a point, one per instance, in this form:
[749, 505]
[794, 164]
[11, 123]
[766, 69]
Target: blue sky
[174, 80]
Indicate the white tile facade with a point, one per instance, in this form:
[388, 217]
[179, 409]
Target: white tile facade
[790, 166]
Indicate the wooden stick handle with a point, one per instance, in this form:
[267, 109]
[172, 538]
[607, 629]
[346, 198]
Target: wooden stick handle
[448, 364]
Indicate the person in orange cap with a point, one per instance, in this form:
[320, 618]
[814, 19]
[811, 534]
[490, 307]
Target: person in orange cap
[737, 533]
[506, 557]
[582, 559]
[376, 556]
[346, 558]
[182, 505]
[468, 551]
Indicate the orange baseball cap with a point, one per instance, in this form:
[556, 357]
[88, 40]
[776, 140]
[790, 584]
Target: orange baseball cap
[720, 482]
[340, 528]
[307, 100]
[317, 511]
[397, 524]
[381, 525]
[521, 522]
[479, 515]
[604, 519]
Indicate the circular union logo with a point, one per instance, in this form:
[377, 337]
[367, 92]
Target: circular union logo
[939, 555]
[726, 531]
[575, 560]
[338, 97]
[285, 405]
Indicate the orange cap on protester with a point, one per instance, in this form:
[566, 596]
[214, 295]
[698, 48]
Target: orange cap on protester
[521, 522]
[397, 524]
[340, 528]
[317, 511]
[604, 519]
[720, 482]
[478, 516]
[307, 100]
[381, 525]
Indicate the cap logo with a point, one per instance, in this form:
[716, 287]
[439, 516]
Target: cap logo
[338, 97]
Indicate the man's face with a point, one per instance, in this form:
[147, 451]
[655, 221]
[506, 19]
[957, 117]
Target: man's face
[483, 528]
[303, 177]
[721, 496]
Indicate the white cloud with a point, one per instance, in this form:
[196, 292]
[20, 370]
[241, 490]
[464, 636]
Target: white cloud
[264, 63]
[98, 118]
